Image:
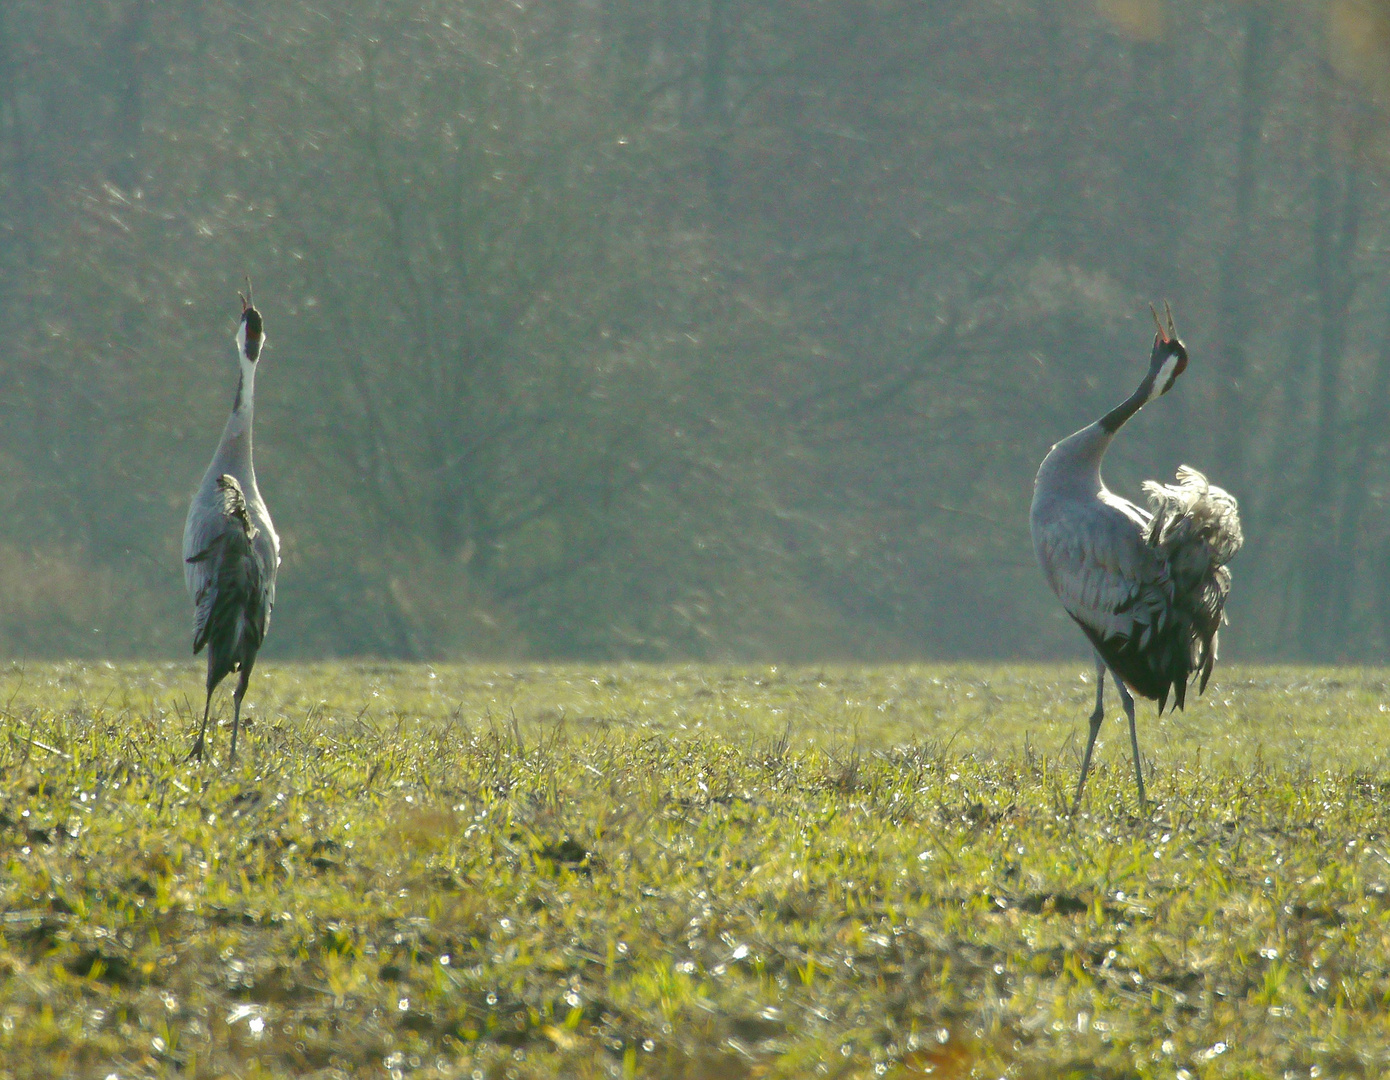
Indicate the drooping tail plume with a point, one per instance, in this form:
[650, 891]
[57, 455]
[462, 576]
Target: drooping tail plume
[1196, 527]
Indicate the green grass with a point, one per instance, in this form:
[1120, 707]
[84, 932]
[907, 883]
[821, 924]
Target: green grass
[691, 872]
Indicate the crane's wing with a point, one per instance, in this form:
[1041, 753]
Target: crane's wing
[1099, 565]
[268, 550]
[1116, 586]
[233, 584]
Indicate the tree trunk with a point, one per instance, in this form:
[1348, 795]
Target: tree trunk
[716, 100]
[1368, 437]
[1337, 219]
[128, 63]
[1233, 304]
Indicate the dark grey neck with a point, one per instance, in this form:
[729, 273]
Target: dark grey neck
[1116, 417]
[1072, 467]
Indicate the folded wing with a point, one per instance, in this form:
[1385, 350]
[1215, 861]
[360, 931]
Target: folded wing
[232, 580]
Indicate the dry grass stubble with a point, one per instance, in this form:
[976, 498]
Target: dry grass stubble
[690, 872]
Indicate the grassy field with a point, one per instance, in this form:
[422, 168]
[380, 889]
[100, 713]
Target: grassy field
[691, 872]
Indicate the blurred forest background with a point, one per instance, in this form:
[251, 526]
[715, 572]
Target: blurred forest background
[685, 328]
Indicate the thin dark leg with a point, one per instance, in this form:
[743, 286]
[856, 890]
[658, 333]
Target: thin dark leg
[1096, 718]
[1127, 700]
[236, 708]
[197, 751]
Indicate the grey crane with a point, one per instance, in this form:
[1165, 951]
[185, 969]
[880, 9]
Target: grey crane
[230, 550]
[1147, 587]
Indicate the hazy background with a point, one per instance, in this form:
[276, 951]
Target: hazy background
[685, 328]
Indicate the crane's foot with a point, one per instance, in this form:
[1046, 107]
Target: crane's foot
[197, 751]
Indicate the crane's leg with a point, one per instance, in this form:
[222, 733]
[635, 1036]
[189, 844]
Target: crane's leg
[1127, 699]
[197, 751]
[236, 704]
[1096, 718]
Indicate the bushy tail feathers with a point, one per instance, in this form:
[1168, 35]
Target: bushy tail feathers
[1196, 529]
[1194, 517]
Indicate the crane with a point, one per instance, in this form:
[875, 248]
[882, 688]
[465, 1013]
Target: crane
[1147, 587]
[230, 550]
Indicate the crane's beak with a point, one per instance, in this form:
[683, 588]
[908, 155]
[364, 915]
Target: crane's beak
[1164, 336]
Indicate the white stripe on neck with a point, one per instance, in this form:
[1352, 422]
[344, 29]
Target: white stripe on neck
[1165, 372]
[247, 389]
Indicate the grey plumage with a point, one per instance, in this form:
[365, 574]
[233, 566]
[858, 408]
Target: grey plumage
[230, 549]
[231, 604]
[1147, 587]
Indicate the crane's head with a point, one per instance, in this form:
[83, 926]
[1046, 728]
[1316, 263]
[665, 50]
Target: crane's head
[250, 332]
[1169, 357]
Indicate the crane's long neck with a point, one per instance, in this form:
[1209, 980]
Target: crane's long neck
[1115, 419]
[234, 451]
[1074, 463]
